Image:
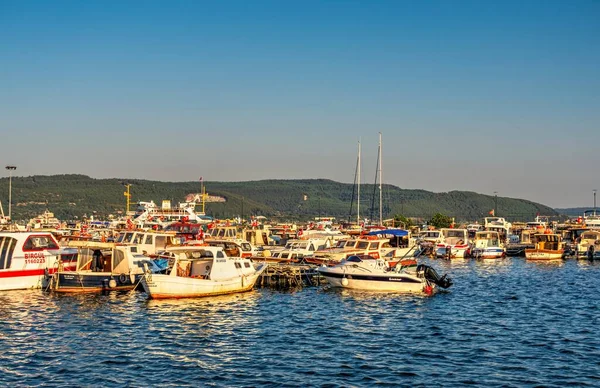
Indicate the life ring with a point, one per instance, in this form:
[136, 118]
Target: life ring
[122, 278]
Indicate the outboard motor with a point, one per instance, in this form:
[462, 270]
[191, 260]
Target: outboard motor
[590, 252]
[431, 274]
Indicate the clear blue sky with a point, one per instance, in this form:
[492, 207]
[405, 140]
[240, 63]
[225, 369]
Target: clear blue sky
[469, 95]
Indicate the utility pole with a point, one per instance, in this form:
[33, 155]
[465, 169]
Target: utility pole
[10, 170]
[242, 210]
[594, 191]
[495, 204]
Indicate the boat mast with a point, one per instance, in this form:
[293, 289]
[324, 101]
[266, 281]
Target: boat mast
[358, 187]
[380, 189]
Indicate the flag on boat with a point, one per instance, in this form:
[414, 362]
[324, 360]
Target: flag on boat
[200, 179]
[492, 212]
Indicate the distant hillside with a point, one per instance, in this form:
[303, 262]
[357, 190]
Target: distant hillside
[70, 196]
[573, 211]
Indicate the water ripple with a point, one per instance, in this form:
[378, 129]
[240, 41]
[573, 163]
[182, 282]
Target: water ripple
[504, 323]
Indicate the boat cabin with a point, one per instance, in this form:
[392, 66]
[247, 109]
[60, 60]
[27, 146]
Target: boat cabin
[487, 238]
[208, 262]
[149, 242]
[111, 258]
[548, 241]
[234, 248]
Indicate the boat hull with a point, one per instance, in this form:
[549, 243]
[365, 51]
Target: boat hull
[488, 253]
[159, 286]
[543, 254]
[456, 252]
[72, 282]
[392, 282]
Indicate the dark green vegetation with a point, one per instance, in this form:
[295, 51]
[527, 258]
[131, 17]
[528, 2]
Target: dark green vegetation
[70, 196]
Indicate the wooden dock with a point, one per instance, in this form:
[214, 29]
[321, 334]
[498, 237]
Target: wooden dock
[288, 275]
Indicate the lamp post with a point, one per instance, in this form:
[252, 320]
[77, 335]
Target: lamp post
[10, 170]
[594, 191]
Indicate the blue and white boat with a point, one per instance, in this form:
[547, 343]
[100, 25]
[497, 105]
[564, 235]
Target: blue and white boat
[488, 245]
[363, 272]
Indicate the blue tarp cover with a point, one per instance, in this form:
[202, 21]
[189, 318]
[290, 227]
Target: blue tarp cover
[393, 232]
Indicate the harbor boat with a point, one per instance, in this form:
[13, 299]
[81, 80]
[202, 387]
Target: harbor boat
[149, 242]
[200, 271]
[500, 225]
[363, 272]
[27, 258]
[474, 228]
[295, 250]
[454, 245]
[102, 266]
[428, 241]
[588, 245]
[591, 219]
[377, 244]
[487, 245]
[547, 247]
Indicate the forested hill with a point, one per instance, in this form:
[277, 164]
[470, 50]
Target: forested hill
[70, 196]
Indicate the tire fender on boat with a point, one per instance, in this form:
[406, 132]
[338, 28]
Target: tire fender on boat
[122, 278]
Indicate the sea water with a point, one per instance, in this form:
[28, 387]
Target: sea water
[505, 322]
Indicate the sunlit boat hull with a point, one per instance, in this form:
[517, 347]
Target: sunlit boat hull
[392, 282]
[159, 286]
[543, 254]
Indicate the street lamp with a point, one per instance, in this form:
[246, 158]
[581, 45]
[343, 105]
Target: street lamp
[10, 170]
[594, 191]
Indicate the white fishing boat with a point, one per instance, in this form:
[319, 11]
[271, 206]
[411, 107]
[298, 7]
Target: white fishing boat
[588, 245]
[27, 258]
[200, 271]
[487, 245]
[454, 245]
[367, 273]
[547, 247]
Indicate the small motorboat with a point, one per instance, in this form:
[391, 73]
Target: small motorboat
[202, 270]
[363, 272]
[487, 245]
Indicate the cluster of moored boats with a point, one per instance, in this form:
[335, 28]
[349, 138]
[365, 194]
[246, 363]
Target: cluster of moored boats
[195, 259]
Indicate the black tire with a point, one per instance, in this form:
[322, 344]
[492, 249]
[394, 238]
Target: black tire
[122, 278]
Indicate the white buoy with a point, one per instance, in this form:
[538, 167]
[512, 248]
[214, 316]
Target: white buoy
[112, 283]
[344, 282]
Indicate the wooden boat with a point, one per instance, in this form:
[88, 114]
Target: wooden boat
[200, 271]
[102, 266]
[547, 247]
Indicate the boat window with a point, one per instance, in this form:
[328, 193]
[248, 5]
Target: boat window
[374, 245]
[118, 257]
[134, 249]
[220, 254]
[362, 245]
[160, 242]
[128, 237]
[284, 255]
[247, 265]
[138, 238]
[354, 259]
[148, 240]
[38, 243]
[238, 265]
[246, 247]
[311, 248]
[7, 246]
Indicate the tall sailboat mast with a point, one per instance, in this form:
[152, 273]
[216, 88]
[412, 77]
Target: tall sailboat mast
[380, 179]
[358, 186]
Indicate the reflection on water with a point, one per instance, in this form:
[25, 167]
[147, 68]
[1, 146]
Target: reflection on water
[504, 322]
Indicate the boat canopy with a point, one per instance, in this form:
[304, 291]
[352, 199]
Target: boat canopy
[393, 232]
